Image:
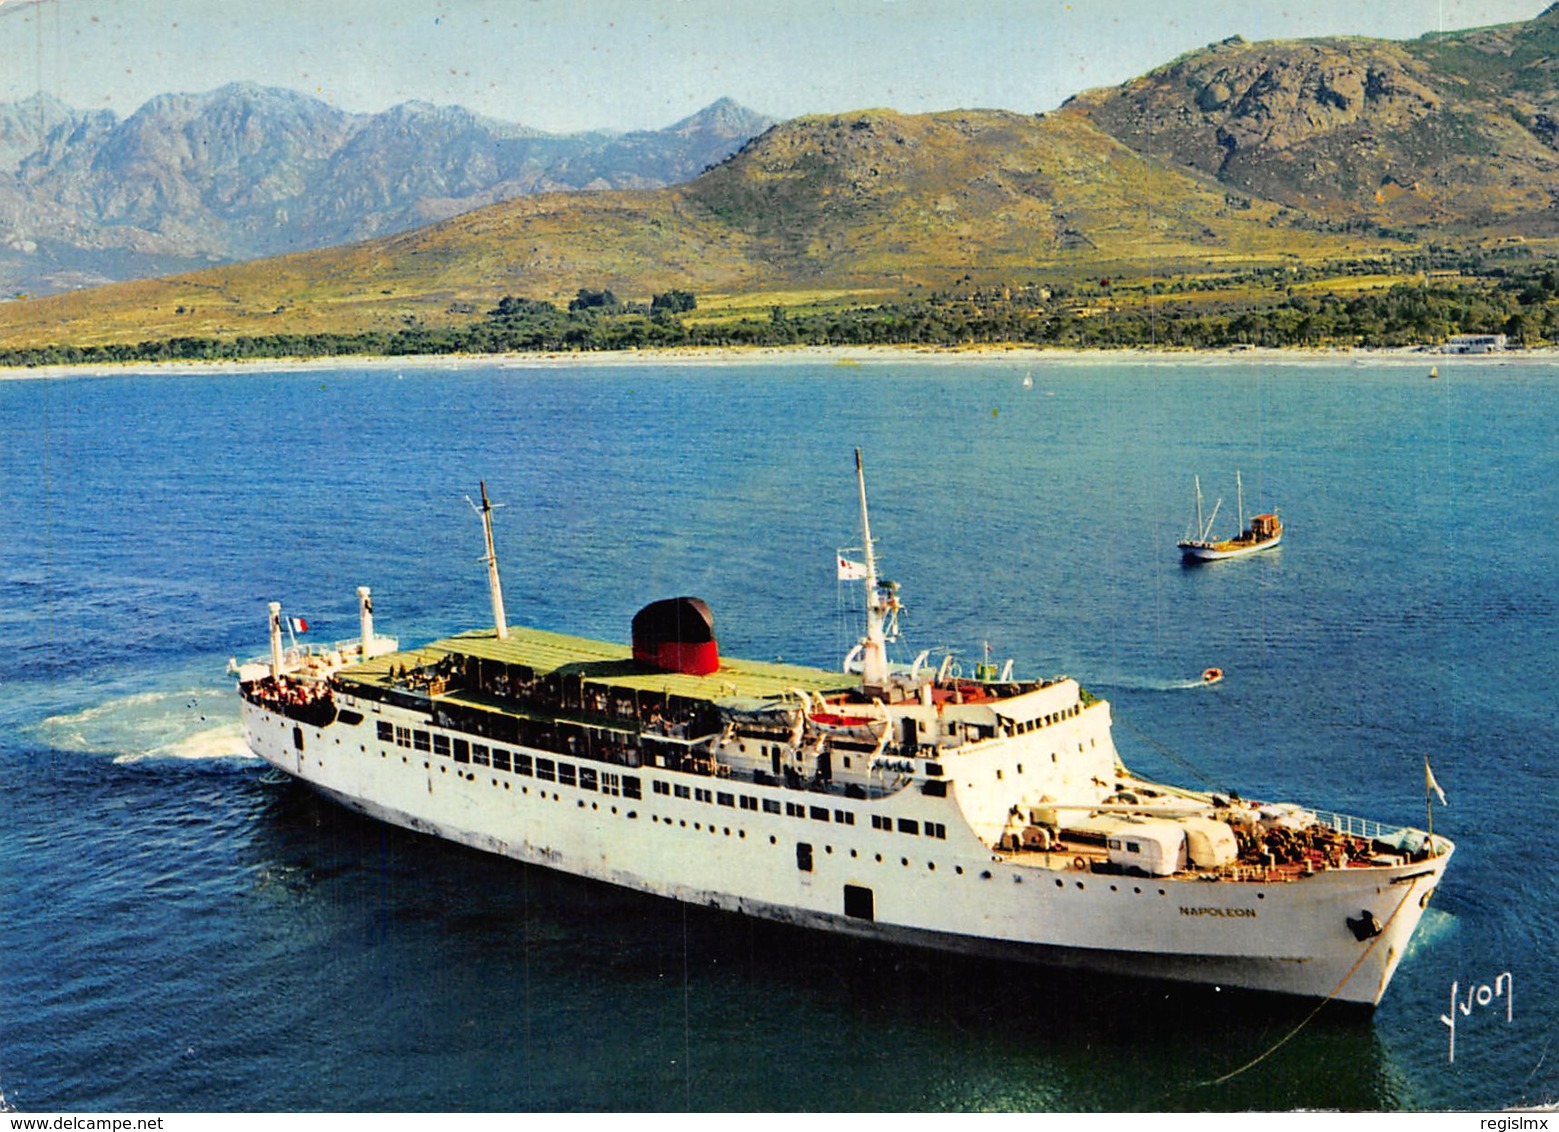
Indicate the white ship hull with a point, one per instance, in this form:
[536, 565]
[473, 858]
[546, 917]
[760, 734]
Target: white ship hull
[952, 893]
[1210, 552]
[988, 816]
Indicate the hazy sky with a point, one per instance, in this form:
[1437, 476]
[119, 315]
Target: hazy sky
[627, 64]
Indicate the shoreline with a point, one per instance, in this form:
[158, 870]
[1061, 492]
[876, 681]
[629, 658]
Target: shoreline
[780, 355]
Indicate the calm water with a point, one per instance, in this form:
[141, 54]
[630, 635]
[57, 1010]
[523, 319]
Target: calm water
[178, 933]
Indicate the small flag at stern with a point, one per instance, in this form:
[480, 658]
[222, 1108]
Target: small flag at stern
[299, 625]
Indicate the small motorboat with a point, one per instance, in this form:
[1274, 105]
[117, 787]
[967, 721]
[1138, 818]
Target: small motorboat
[1212, 675]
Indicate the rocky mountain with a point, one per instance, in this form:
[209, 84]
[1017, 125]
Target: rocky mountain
[1457, 132]
[1240, 156]
[248, 171]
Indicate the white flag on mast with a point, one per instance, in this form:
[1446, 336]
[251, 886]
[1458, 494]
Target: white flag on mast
[1431, 784]
[850, 571]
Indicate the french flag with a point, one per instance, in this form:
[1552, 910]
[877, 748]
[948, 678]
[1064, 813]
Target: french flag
[299, 625]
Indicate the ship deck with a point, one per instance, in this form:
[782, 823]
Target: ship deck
[604, 663]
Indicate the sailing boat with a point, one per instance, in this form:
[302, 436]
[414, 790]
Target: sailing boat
[1265, 531]
[1434, 372]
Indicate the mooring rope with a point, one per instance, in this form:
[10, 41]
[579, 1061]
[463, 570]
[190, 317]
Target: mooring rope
[1320, 1006]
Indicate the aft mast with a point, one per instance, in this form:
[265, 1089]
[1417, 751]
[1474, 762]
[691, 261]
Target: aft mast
[874, 646]
[500, 625]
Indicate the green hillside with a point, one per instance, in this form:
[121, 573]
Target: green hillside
[1322, 161]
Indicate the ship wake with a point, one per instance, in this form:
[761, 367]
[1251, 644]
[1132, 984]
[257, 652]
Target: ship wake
[191, 723]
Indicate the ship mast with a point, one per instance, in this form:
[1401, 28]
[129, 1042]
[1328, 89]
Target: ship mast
[365, 621]
[1239, 490]
[276, 656]
[874, 646]
[500, 626]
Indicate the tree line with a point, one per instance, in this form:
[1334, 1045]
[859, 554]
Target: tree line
[1524, 306]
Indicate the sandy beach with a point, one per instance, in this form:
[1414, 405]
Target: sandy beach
[782, 355]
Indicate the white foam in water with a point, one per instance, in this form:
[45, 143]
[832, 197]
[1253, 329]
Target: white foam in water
[1436, 924]
[193, 723]
[1150, 684]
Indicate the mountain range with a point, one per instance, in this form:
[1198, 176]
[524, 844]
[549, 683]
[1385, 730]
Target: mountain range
[248, 171]
[1277, 155]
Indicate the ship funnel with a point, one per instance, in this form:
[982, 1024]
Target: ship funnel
[676, 635]
[275, 640]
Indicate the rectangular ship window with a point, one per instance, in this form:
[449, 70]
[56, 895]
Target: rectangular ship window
[749, 802]
[936, 829]
[587, 778]
[462, 751]
[794, 811]
[500, 759]
[682, 791]
[566, 773]
[441, 745]
[844, 817]
[770, 806]
[909, 825]
[522, 764]
[726, 799]
[819, 813]
[422, 741]
[402, 736]
[661, 787]
[479, 754]
[546, 770]
[609, 783]
[386, 732]
[631, 787]
[881, 822]
[702, 795]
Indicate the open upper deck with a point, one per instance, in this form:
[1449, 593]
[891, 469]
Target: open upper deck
[536, 654]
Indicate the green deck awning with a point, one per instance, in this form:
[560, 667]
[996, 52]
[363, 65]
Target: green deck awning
[607, 664]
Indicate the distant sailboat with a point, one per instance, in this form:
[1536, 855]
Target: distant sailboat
[1264, 532]
[1434, 372]
[1028, 381]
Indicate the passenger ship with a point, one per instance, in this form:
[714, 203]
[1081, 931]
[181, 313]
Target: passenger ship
[979, 814]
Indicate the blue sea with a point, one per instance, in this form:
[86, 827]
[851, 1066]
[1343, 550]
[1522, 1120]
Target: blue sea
[181, 932]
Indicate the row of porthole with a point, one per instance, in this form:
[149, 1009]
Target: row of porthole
[698, 826]
[470, 776]
[773, 840]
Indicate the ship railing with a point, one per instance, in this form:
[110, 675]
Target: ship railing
[1360, 827]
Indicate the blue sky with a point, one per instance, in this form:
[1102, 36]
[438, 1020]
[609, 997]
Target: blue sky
[631, 64]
